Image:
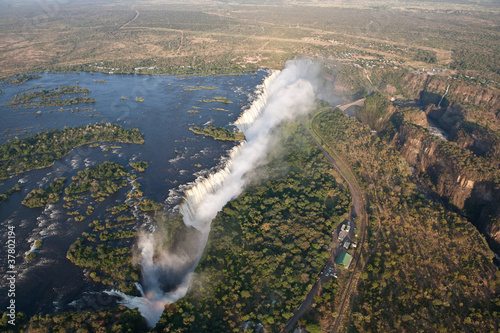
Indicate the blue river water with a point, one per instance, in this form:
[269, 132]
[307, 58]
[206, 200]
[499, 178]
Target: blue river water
[51, 282]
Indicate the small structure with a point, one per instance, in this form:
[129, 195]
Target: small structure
[347, 244]
[344, 259]
[344, 231]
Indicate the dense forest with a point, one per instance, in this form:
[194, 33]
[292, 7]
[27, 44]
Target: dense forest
[267, 247]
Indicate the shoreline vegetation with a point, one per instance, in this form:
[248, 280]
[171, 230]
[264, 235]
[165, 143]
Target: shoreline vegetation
[218, 133]
[43, 149]
[44, 97]
[5, 196]
[180, 71]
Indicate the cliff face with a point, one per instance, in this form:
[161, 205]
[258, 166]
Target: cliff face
[463, 171]
[456, 174]
[479, 139]
[482, 103]
[427, 155]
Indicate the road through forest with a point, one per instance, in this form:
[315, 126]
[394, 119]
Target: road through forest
[358, 211]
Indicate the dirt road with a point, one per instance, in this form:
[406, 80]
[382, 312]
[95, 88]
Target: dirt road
[357, 211]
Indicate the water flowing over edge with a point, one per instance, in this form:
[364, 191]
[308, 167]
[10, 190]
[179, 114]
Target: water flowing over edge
[202, 186]
[151, 307]
[247, 118]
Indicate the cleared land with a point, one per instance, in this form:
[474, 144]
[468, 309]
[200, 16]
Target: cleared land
[154, 35]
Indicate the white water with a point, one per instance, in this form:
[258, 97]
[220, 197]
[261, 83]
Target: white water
[285, 95]
[248, 117]
[442, 97]
[203, 186]
[436, 130]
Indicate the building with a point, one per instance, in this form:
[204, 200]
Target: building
[344, 231]
[344, 259]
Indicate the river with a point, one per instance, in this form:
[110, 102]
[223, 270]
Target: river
[51, 282]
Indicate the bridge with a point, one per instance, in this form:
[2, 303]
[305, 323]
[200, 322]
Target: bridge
[359, 102]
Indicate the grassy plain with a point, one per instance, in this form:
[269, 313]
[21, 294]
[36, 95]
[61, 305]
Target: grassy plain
[154, 36]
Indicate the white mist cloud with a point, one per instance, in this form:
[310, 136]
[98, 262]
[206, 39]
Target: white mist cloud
[291, 93]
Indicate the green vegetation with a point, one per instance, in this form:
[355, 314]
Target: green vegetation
[109, 265]
[148, 205]
[23, 78]
[6, 195]
[118, 209]
[218, 133]
[428, 269]
[42, 150]
[375, 110]
[140, 166]
[114, 320]
[112, 147]
[218, 99]
[267, 247]
[41, 197]
[101, 180]
[42, 98]
[421, 255]
[106, 252]
[192, 89]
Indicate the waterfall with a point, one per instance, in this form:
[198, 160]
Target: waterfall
[442, 97]
[167, 272]
[201, 188]
[247, 118]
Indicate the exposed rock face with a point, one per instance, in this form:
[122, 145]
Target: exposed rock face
[463, 171]
[479, 139]
[455, 174]
[430, 89]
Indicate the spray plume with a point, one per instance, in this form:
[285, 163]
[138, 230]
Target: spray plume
[166, 276]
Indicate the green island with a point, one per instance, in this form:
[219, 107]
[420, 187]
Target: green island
[108, 148]
[218, 133]
[148, 205]
[101, 180]
[140, 166]
[218, 99]
[42, 150]
[23, 79]
[200, 88]
[50, 97]
[7, 194]
[41, 197]
[97, 252]
[102, 252]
